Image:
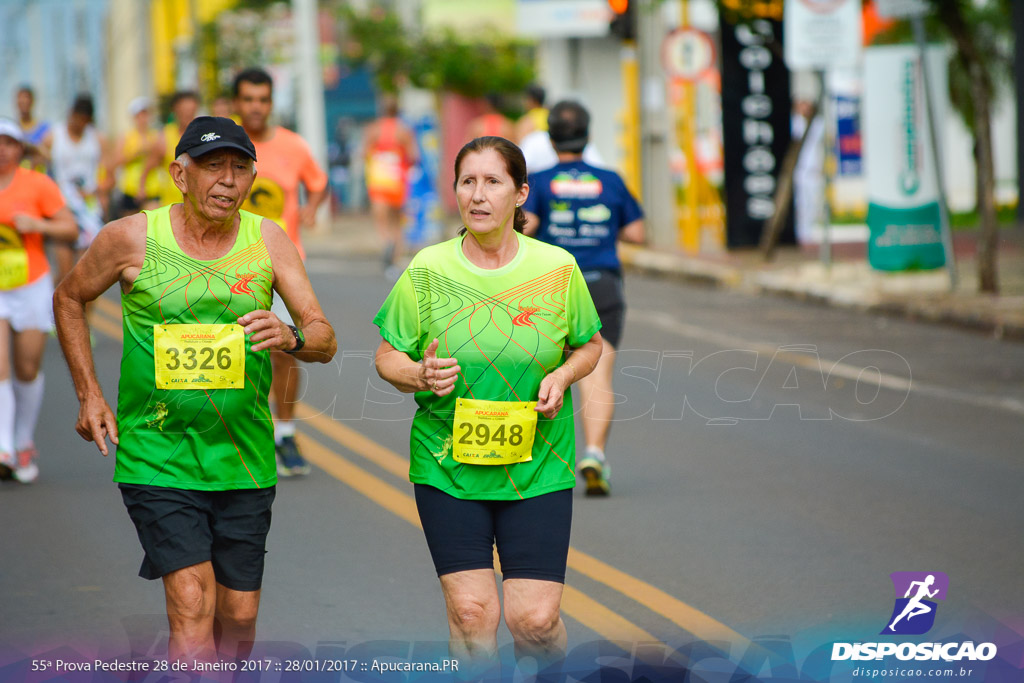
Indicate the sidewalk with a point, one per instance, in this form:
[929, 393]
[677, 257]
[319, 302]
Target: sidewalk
[851, 283]
[798, 272]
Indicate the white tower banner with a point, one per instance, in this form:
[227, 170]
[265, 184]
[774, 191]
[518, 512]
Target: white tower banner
[903, 196]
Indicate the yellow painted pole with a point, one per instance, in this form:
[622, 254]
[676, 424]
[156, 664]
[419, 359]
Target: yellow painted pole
[630, 141]
[162, 46]
[687, 129]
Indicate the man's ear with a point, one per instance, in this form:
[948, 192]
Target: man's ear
[177, 171]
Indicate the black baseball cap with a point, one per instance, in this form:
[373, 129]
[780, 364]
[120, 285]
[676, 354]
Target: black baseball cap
[207, 133]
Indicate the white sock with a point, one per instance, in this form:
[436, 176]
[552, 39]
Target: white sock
[596, 453]
[283, 428]
[28, 401]
[6, 417]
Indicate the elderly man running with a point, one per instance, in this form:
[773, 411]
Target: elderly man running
[195, 457]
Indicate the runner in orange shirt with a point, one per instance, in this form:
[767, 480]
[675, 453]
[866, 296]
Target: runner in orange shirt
[491, 123]
[31, 209]
[390, 151]
[285, 162]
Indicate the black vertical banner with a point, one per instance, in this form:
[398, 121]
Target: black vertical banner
[755, 124]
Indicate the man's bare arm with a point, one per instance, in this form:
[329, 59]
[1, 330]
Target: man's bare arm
[292, 283]
[116, 254]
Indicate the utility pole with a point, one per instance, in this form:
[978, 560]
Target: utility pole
[311, 114]
[1018, 70]
[656, 182]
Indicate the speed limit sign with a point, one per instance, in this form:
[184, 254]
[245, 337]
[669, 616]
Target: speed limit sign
[687, 53]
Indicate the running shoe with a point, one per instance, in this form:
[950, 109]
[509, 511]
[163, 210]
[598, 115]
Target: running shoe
[595, 473]
[7, 467]
[289, 462]
[27, 471]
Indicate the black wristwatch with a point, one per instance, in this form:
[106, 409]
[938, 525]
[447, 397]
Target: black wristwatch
[300, 339]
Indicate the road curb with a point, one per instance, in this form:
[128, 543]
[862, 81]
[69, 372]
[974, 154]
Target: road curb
[920, 297]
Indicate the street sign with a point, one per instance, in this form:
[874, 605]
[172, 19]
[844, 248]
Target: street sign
[687, 53]
[822, 34]
[901, 9]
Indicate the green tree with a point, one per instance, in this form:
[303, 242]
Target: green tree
[982, 34]
[439, 61]
[980, 69]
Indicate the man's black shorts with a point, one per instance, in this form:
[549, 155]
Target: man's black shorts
[179, 528]
[532, 535]
[610, 300]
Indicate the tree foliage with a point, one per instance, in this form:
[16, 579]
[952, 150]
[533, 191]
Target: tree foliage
[441, 61]
[989, 24]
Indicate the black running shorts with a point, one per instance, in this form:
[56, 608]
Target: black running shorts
[610, 300]
[532, 535]
[179, 528]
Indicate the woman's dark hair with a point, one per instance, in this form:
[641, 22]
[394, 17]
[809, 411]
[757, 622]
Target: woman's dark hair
[515, 165]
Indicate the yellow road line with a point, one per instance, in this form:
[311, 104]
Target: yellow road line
[374, 488]
[98, 322]
[603, 621]
[109, 307]
[354, 441]
[658, 601]
[577, 605]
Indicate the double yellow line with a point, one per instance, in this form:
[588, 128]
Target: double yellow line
[604, 621]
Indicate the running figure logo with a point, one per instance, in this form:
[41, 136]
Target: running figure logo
[914, 612]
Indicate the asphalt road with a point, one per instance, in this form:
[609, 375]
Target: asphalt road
[773, 463]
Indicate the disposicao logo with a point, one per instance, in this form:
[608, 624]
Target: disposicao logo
[913, 614]
[914, 611]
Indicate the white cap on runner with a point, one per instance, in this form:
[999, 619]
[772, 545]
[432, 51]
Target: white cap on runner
[11, 130]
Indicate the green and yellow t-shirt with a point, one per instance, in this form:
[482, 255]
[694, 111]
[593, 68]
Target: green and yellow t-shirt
[507, 328]
[192, 401]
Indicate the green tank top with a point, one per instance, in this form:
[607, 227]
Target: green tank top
[205, 438]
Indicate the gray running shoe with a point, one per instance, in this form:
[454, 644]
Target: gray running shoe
[290, 462]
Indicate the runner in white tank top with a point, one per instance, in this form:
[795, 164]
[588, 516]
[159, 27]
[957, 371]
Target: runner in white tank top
[75, 165]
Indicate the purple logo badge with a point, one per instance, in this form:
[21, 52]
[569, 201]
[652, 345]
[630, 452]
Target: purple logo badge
[914, 611]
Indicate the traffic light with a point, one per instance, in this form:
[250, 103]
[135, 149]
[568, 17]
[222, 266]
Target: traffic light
[623, 23]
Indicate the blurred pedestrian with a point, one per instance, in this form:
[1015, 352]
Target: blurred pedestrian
[490, 329]
[224, 106]
[491, 123]
[184, 107]
[536, 116]
[195, 453]
[809, 173]
[540, 154]
[389, 148]
[78, 153]
[138, 144]
[34, 130]
[31, 209]
[586, 210]
[285, 163]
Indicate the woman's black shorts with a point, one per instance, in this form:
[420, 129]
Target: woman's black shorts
[532, 535]
[610, 300]
[179, 528]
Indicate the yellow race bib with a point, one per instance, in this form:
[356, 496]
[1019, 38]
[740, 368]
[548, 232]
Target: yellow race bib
[13, 259]
[493, 432]
[199, 356]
